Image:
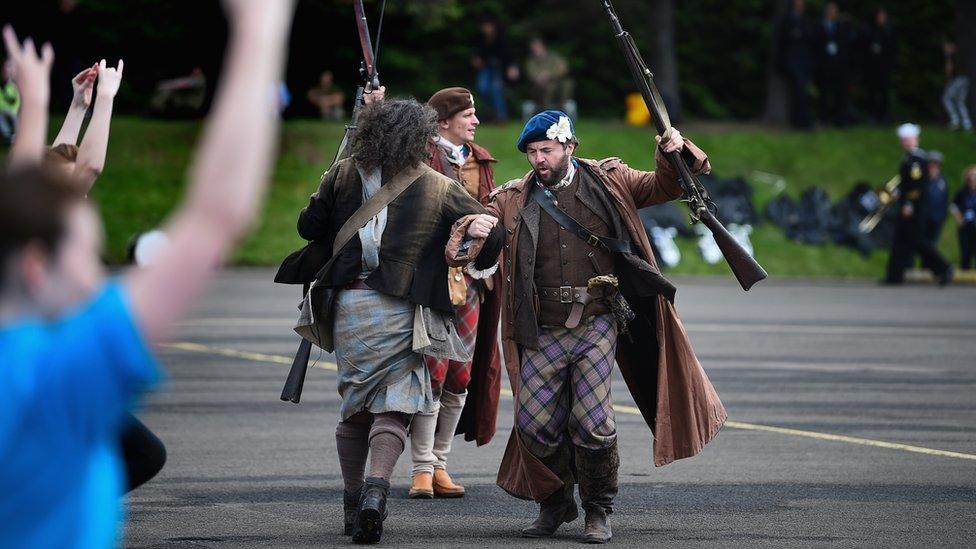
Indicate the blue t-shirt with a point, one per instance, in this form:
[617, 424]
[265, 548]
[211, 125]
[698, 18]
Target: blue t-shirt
[65, 387]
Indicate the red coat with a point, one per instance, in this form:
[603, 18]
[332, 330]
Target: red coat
[480, 414]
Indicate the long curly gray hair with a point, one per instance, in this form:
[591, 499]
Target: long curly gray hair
[393, 134]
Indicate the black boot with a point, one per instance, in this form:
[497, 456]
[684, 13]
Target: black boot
[350, 510]
[372, 511]
[597, 471]
[560, 507]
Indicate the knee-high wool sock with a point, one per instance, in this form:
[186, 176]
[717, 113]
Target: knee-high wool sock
[352, 443]
[387, 439]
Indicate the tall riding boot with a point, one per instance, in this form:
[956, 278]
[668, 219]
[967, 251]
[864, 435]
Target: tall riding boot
[447, 421]
[372, 511]
[597, 470]
[560, 507]
[422, 429]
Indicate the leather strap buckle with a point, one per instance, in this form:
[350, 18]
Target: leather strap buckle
[565, 294]
[593, 240]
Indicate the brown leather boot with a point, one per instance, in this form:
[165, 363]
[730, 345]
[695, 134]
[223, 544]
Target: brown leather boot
[597, 471]
[560, 507]
[444, 487]
[421, 487]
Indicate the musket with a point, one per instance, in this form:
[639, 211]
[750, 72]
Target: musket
[887, 195]
[746, 270]
[292, 391]
[368, 75]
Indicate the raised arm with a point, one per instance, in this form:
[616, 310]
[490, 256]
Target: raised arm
[230, 169]
[661, 185]
[81, 85]
[91, 153]
[32, 74]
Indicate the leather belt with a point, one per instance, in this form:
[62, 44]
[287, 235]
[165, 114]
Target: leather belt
[358, 284]
[579, 296]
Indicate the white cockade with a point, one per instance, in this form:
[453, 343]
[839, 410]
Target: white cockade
[561, 130]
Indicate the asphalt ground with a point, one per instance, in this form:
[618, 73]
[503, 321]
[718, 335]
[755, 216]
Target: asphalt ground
[852, 423]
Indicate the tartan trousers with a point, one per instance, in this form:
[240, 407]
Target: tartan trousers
[449, 375]
[565, 387]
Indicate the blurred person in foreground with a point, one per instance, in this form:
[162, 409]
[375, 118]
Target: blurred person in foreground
[548, 76]
[578, 270]
[963, 210]
[76, 345]
[385, 286]
[909, 238]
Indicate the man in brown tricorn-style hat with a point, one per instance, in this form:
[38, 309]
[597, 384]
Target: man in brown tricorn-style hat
[467, 392]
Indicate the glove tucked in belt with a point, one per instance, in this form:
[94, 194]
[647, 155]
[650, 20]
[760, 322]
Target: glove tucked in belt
[579, 296]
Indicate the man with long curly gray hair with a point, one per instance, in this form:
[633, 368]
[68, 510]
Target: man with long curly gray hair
[385, 281]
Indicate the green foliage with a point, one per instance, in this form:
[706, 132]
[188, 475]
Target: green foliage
[147, 159]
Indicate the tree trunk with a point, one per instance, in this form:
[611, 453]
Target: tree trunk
[664, 59]
[966, 42]
[777, 110]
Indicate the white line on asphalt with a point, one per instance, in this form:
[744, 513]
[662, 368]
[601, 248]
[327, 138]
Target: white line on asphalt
[631, 410]
[706, 327]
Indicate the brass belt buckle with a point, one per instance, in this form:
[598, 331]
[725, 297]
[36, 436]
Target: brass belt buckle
[565, 294]
[593, 240]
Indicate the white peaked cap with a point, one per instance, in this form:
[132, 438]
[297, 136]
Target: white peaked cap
[908, 130]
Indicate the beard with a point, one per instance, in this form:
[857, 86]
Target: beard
[556, 173]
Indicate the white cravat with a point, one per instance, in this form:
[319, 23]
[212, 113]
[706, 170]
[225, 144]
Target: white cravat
[455, 153]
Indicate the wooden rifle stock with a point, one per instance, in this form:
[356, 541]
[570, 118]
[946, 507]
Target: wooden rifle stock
[746, 270]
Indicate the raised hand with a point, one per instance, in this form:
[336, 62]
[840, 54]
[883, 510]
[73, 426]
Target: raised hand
[109, 79]
[31, 72]
[671, 140]
[82, 85]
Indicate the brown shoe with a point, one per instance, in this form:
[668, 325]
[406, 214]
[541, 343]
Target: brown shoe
[444, 487]
[422, 486]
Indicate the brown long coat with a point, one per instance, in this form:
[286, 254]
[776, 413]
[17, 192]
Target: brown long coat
[673, 393]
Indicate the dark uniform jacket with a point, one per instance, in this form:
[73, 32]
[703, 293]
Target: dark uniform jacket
[914, 172]
[419, 222]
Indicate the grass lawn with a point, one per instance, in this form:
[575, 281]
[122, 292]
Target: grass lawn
[147, 160]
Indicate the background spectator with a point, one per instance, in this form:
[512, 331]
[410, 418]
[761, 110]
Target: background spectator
[956, 91]
[181, 96]
[493, 61]
[834, 40]
[964, 211]
[880, 53]
[327, 98]
[549, 81]
[794, 40]
[9, 104]
[936, 202]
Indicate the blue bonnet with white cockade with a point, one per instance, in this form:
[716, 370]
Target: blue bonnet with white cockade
[547, 125]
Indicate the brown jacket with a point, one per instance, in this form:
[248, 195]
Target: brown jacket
[673, 392]
[486, 174]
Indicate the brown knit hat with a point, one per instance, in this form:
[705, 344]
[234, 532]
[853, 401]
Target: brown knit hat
[450, 101]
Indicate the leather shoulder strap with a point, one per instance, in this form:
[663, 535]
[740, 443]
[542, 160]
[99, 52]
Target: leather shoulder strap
[567, 222]
[383, 197]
